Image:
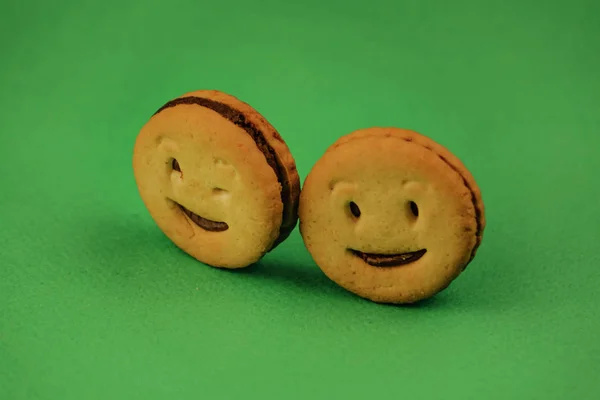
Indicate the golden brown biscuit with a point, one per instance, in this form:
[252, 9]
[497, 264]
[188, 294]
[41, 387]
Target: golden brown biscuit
[390, 215]
[217, 178]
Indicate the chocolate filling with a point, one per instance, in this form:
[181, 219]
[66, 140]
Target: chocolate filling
[206, 224]
[389, 260]
[474, 201]
[257, 135]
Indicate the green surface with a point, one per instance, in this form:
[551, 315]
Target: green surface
[95, 303]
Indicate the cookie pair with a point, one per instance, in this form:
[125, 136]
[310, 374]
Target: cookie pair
[386, 213]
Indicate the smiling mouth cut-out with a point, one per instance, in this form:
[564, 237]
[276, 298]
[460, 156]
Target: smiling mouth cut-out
[389, 260]
[204, 223]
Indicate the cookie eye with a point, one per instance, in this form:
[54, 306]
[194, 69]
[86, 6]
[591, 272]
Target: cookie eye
[354, 209]
[175, 165]
[414, 208]
[218, 191]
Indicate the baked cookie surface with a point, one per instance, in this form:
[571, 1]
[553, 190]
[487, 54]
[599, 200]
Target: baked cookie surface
[391, 215]
[217, 178]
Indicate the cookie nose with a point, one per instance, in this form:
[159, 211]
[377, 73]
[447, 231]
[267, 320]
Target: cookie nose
[189, 188]
[383, 226]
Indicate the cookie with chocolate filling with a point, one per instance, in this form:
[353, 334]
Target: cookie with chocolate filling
[391, 215]
[217, 178]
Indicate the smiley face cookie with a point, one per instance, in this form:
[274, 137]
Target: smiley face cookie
[217, 178]
[390, 215]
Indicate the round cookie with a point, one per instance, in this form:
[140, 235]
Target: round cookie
[217, 178]
[391, 215]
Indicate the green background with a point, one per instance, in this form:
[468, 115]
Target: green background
[95, 303]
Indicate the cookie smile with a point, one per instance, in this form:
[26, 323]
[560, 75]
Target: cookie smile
[389, 260]
[204, 223]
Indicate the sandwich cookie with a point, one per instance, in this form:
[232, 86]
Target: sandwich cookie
[391, 215]
[217, 178]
